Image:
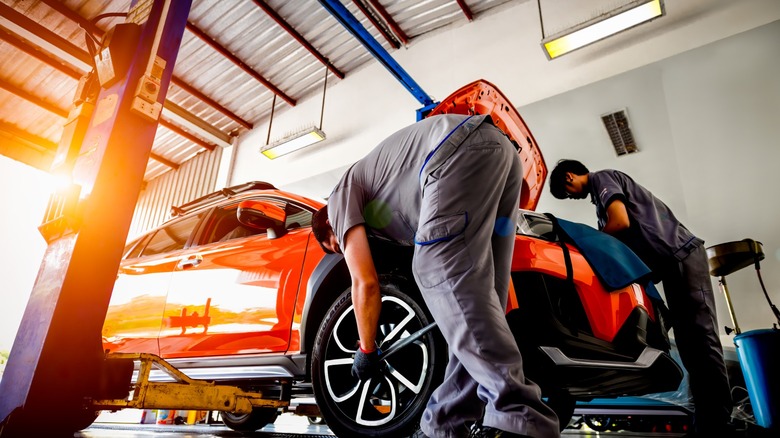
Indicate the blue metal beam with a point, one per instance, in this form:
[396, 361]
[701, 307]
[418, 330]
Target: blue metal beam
[340, 13]
[57, 365]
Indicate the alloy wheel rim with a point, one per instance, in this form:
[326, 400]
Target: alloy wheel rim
[380, 400]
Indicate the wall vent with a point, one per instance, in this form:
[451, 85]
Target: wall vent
[620, 132]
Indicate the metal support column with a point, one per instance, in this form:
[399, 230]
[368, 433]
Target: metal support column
[57, 367]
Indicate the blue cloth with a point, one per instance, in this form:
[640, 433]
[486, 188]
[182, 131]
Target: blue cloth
[612, 261]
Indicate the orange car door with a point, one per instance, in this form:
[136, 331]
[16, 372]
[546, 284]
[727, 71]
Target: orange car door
[236, 292]
[135, 311]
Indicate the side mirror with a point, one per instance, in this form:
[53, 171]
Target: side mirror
[262, 216]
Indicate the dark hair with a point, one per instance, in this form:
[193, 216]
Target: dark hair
[320, 227]
[558, 176]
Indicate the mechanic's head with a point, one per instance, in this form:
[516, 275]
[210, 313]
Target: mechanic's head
[323, 232]
[569, 179]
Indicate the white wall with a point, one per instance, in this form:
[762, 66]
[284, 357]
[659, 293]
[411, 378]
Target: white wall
[704, 118]
[707, 123]
[724, 110]
[21, 245]
[501, 46]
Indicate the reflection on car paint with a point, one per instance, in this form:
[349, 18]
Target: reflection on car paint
[193, 320]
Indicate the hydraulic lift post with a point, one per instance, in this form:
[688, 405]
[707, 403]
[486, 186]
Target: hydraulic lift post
[57, 367]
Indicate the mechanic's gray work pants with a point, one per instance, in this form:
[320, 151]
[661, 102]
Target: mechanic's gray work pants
[688, 290]
[462, 264]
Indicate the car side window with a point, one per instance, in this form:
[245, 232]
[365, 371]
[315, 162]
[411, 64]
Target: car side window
[172, 237]
[536, 226]
[297, 217]
[134, 248]
[224, 224]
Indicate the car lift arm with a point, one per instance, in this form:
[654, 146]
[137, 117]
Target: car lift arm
[184, 393]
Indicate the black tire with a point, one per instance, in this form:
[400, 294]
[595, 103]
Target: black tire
[563, 405]
[80, 420]
[316, 421]
[598, 423]
[391, 407]
[250, 422]
[63, 422]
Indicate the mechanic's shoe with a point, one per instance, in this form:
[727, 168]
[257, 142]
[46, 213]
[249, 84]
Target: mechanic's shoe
[479, 431]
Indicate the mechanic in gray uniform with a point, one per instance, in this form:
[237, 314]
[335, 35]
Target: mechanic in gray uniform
[645, 224]
[450, 186]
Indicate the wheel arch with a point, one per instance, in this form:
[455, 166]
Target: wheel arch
[331, 277]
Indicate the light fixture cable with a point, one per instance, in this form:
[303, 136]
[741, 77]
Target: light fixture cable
[297, 140]
[271, 120]
[324, 87]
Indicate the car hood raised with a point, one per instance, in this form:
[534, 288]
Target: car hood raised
[482, 97]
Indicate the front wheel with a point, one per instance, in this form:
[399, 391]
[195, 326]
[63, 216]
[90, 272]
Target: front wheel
[598, 423]
[250, 422]
[392, 404]
[563, 405]
[316, 421]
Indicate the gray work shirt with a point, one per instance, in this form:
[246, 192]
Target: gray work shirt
[382, 190]
[655, 235]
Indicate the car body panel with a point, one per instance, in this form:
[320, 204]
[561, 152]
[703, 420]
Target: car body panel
[137, 304]
[314, 257]
[239, 299]
[239, 296]
[606, 311]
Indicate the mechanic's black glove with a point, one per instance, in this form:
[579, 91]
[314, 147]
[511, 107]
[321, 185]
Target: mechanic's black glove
[365, 365]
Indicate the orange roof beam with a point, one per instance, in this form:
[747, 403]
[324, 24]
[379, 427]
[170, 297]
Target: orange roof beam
[298, 37]
[61, 53]
[390, 21]
[466, 10]
[379, 26]
[44, 57]
[164, 161]
[89, 26]
[170, 126]
[241, 64]
[35, 100]
[61, 112]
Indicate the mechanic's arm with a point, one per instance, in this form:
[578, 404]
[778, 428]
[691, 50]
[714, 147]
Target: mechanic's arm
[365, 285]
[617, 218]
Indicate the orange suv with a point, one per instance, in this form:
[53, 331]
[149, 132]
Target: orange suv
[234, 288]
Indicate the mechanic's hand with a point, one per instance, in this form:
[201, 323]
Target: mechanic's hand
[366, 364]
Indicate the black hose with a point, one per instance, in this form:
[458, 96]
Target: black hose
[772, 306]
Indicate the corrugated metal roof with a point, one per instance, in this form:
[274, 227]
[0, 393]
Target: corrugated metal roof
[417, 17]
[34, 96]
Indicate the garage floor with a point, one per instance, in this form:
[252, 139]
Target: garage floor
[286, 425]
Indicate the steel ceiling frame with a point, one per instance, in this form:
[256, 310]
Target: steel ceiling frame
[79, 63]
[69, 59]
[57, 52]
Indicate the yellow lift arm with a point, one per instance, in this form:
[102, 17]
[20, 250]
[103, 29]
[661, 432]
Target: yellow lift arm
[184, 393]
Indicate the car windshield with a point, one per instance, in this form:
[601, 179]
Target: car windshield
[535, 225]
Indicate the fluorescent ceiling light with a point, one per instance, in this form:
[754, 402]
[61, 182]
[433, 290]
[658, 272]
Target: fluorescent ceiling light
[293, 143]
[620, 19]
